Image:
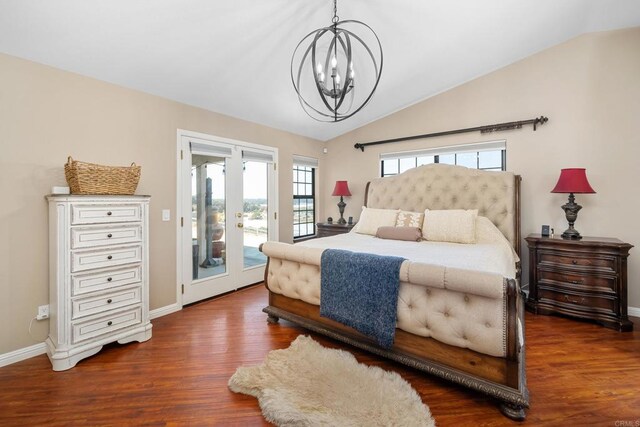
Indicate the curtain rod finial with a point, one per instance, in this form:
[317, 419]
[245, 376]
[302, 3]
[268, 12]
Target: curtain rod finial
[540, 120]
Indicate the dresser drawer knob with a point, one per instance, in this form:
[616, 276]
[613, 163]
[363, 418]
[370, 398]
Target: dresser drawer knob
[574, 262]
[109, 301]
[109, 213]
[109, 257]
[109, 235]
[109, 279]
[109, 323]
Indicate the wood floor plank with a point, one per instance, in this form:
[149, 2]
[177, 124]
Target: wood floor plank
[577, 372]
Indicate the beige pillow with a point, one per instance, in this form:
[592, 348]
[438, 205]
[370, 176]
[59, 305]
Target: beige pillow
[372, 219]
[409, 219]
[454, 225]
[409, 234]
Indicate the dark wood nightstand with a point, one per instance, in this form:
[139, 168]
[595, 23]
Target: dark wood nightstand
[325, 229]
[584, 278]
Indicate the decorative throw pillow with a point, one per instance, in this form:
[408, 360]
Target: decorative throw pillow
[409, 234]
[454, 225]
[409, 219]
[371, 219]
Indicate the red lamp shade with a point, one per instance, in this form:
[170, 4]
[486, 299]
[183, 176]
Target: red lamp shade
[573, 180]
[341, 189]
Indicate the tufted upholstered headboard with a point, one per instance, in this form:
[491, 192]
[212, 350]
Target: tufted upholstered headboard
[496, 195]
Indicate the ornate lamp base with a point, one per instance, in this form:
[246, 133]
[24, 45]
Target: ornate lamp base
[341, 206]
[571, 210]
[571, 234]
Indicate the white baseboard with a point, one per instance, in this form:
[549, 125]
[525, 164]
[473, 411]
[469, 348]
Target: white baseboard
[163, 311]
[634, 311]
[22, 354]
[41, 348]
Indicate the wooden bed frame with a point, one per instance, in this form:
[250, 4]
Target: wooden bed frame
[503, 378]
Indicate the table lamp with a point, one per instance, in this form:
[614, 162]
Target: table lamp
[572, 180]
[341, 189]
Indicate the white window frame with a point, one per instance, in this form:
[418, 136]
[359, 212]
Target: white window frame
[309, 162]
[446, 150]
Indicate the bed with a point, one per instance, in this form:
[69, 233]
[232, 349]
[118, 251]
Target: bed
[460, 308]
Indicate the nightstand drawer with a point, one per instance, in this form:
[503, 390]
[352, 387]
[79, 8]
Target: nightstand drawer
[107, 257]
[97, 304]
[580, 301]
[327, 233]
[576, 260]
[577, 281]
[332, 229]
[96, 327]
[101, 236]
[94, 214]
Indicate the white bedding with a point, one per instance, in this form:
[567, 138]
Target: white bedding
[492, 253]
[452, 292]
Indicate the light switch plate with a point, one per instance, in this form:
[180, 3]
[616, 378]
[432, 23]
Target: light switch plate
[166, 214]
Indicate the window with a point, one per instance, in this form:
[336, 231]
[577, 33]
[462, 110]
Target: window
[485, 156]
[304, 196]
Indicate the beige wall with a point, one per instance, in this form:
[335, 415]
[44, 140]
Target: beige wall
[589, 87]
[47, 114]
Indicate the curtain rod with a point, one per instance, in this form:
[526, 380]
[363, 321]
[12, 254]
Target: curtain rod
[483, 129]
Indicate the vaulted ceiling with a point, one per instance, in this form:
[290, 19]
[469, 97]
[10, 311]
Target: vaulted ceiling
[233, 57]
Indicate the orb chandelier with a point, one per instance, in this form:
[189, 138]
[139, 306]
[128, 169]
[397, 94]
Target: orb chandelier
[324, 66]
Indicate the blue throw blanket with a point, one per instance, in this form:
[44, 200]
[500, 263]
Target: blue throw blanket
[361, 291]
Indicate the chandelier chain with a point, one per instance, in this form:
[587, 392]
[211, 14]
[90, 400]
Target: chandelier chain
[335, 18]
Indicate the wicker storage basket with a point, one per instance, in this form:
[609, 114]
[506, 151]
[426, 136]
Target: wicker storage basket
[90, 178]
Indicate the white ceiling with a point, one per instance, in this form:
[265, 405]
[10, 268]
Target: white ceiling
[233, 57]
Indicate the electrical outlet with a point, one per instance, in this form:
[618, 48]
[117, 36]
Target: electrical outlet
[43, 312]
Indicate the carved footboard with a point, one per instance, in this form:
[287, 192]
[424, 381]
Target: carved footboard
[499, 375]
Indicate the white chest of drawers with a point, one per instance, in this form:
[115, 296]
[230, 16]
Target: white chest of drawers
[98, 275]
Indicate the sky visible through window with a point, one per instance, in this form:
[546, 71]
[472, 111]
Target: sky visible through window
[484, 160]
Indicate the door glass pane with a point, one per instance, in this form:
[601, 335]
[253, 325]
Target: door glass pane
[255, 214]
[208, 219]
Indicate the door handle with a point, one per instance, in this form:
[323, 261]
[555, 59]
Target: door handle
[240, 225]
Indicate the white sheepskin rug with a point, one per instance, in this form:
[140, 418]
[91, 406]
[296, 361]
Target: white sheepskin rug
[310, 385]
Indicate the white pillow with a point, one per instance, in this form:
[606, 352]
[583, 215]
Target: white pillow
[372, 219]
[453, 225]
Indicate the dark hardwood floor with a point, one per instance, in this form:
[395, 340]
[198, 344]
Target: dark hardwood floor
[579, 374]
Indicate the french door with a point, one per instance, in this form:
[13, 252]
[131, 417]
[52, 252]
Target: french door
[228, 208]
